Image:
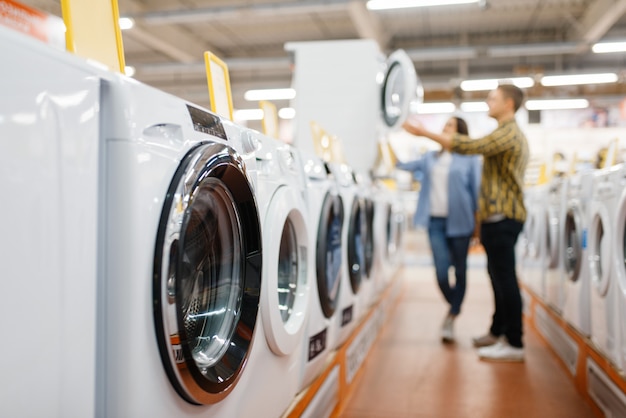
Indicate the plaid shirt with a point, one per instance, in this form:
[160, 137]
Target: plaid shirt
[505, 153]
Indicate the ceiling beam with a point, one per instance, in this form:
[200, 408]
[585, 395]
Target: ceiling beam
[156, 42]
[597, 20]
[367, 24]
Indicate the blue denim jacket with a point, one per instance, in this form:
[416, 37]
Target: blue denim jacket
[463, 189]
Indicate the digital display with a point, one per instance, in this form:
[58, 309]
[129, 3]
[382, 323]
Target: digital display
[207, 123]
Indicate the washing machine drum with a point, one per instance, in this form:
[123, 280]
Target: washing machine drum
[328, 253]
[207, 274]
[573, 244]
[369, 237]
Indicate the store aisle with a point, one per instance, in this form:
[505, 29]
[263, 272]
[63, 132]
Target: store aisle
[410, 373]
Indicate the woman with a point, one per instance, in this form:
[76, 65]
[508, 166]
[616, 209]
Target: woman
[446, 206]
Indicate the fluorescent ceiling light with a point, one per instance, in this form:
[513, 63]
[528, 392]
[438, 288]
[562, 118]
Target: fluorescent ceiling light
[269, 94]
[129, 70]
[575, 79]
[428, 108]
[608, 47]
[126, 23]
[402, 4]
[557, 104]
[248, 114]
[492, 83]
[474, 107]
[287, 113]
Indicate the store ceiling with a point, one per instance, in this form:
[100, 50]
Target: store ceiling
[495, 38]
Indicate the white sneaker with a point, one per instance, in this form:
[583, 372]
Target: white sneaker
[447, 329]
[501, 351]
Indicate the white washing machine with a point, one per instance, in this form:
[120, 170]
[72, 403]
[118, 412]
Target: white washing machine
[576, 283]
[49, 130]
[326, 216]
[601, 240]
[531, 248]
[273, 374]
[619, 261]
[182, 257]
[366, 192]
[554, 275]
[386, 237]
[351, 304]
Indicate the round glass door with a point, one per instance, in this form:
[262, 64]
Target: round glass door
[600, 250]
[573, 244]
[357, 234]
[288, 270]
[401, 86]
[207, 274]
[369, 249]
[328, 253]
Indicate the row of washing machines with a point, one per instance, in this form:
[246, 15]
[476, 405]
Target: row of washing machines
[572, 254]
[158, 260]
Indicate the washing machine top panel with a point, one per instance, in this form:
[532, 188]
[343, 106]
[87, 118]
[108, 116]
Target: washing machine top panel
[329, 252]
[600, 248]
[285, 289]
[207, 274]
[401, 86]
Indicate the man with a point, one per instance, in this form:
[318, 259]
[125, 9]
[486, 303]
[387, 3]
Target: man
[501, 213]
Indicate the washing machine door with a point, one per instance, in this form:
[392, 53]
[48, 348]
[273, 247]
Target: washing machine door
[207, 274]
[572, 248]
[328, 252]
[552, 237]
[599, 248]
[357, 234]
[285, 289]
[620, 243]
[401, 86]
[369, 249]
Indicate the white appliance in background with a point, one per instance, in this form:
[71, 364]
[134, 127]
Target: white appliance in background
[602, 265]
[384, 238]
[273, 374]
[351, 304]
[554, 275]
[531, 247]
[576, 283]
[340, 82]
[326, 218]
[366, 192]
[49, 143]
[618, 257]
[182, 257]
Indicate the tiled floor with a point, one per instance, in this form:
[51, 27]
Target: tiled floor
[410, 373]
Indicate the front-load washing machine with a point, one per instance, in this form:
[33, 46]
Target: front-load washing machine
[49, 130]
[272, 377]
[326, 218]
[576, 278]
[182, 257]
[354, 234]
[384, 243]
[365, 191]
[554, 274]
[601, 239]
[619, 261]
[531, 247]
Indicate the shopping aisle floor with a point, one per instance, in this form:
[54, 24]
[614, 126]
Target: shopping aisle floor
[410, 373]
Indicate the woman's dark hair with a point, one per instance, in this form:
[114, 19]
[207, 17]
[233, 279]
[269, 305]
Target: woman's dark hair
[461, 126]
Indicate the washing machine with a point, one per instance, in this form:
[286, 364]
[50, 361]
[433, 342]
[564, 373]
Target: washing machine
[351, 304]
[272, 377]
[182, 257]
[326, 219]
[576, 283]
[555, 273]
[384, 238]
[532, 246]
[619, 257]
[603, 277]
[366, 192]
[49, 130]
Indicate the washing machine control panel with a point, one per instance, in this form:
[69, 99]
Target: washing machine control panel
[207, 123]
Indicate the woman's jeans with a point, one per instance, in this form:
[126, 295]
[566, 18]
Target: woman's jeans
[449, 251]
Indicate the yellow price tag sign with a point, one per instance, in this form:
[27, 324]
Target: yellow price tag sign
[93, 31]
[218, 81]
